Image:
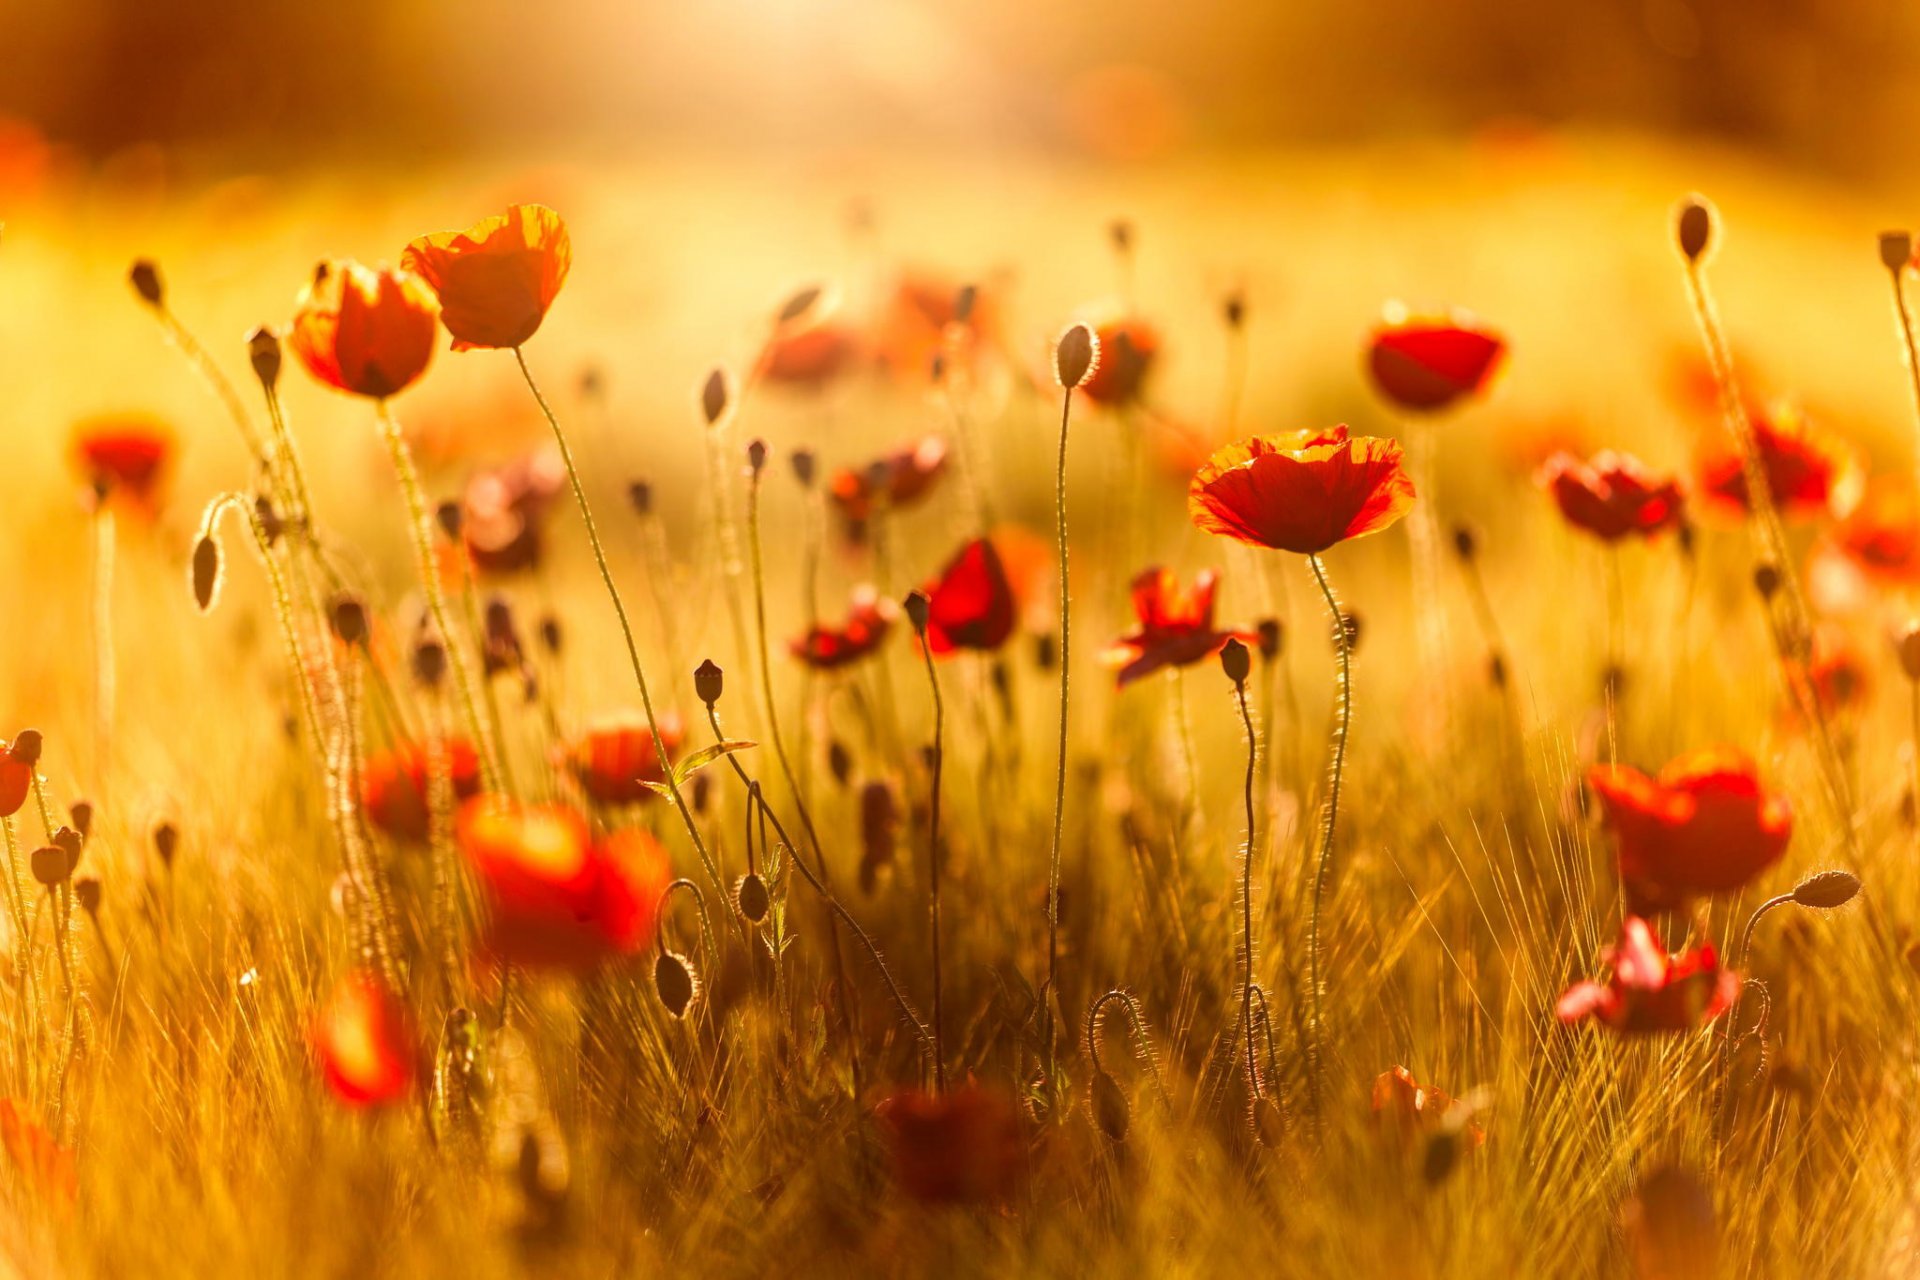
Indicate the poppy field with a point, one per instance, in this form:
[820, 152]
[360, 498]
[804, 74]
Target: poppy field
[575, 722]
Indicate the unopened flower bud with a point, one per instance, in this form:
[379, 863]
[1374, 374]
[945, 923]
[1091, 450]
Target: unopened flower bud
[640, 495]
[166, 842]
[145, 278]
[674, 981]
[451, 517]
[1272, 636]
[1694, 227]
[50, 866]
[82, 814]
[713, 396]
[1465, 543]
[1075, 356]
[756, 456]
[1896, 250]
[751, 895]
[1236, 661]
[917, 608]
[263, 350]
[1766, 580]
[86, 892]
[709, 681]
[1826, 890]
[26, 747]
[429, 661]
[348, 618]
[802, 461]
[1234, 309]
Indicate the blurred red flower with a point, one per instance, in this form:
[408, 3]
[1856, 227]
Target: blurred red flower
[1651, 991]
[1811, 471]
[868, 620]
[810, 350]
[1405, 1107]
[922, 320]
[558, 898]
[1176, 627]
[364, 331]
[44, 1164]
[1303, 491]
[497, 278]
[1875, 548]
[904, 476]
[971, 604]
[503, 510]
[393, 785]
[1129, 346]
[125, 457]
[959, 1147]
[1836, 673]
[16, 779]
[366, 1041]
[1704, 825]
[1613, 496]
[615, 757]
[1423, 364]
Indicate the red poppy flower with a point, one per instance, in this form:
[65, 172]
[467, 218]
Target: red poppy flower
[125, 457]
[1835, 672]
[364, 331]
[43, 1163]
[558, 898]
[1424, 364]
[1405, 1107]
[1875, 548]
[811, 351]
[365, 1038]
[1651, 991]
[393, 786]
[503, 511]
[1176, 627]
[971, 605]
[615, 756]
[905, 476]
[1613, 496]
[1301, 492]
[16, 780]
[497, 278]
[825, 648]
[1129, 346]
[1705, 825]
[959, 1147]
[1810, 470]
[921, 320]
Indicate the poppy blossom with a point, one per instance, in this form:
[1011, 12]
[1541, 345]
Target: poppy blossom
[1424, 364]
[366, 1042]
[1176, 627]
[1876, 547]
[615, 757]
[903, 477]
[124, 457]
[1810, 470]
[868, 621]
[559, 899]
[363, 330]
[503, 511]
[1303, 491]
[959, 1147]
[1128, 346]
[16, 779]
[1705, 824]
[811, 347]
[497, 278]
[971, 605]
[1651, 991]
[1836, 674]
[1613, 496]
[1406, 1107]
[922, 320]
[43, 1163]
[394, 785]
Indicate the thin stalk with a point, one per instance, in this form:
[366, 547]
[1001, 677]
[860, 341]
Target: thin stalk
[1905, 317]
[1051, 991]
[203, 364]
[933, 869]
[103, 657]
[1615, 674]
[1246, 894]
[1343, 719]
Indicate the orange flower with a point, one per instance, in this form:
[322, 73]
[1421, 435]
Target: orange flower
[1129, 345]
[558, 898]
[45, 1166]
[1301, 492]
[1835, 673]
[1651, 991]
[1810, 470]
[1875, 548]
[1613, 496]
[125, 456]
[1407, 1107]
[1705, 825]
[364, 331]
[365, 1038]
[825, 648]
[393, 786]
[971, 605]
[960, 1147]
[1176, 627]
[904, 476]
[922, 320]
[810, 348]
[615, 757]
[497, 278]
[1424, 364]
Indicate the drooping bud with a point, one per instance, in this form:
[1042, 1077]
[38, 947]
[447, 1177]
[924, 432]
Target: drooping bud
[751, 895]
[1236, 661]
[429, 661]
[82, 813]
[802, 461]
[550, 636]
[1826, 890]
[756, 456]
[640, 495]
[1766, 580]
[348, 617]
[145, 278]
[1694, 225]
[166, 842]
[1234, 310]
[709, 681]
[839, 761]
[263, 351]
[798, 304]
[674, 982]
[1075, 356]
[86, 892]
[69, 842]
[208, 567]
[27, 745]
[1109, 1105]
[1465, 542]
[1896, 250]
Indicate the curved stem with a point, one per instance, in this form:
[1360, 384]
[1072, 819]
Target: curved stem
[1050, 992]
[933, 869]
[1246, 893]
[1343, 718]
[1905, 317]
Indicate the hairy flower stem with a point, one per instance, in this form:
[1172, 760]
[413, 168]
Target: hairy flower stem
[1343, 719]
[203, 364]
[1904, 316]
[1050, 992]
[1246, 894]
[419, 524]
[103, 657]
[1614, 676]
[933, 867]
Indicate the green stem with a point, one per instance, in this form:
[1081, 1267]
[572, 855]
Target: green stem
[1343, 719]
[1050, 992]
[1246, 894]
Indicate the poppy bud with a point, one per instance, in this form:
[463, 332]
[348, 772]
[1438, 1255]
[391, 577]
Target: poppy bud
[798, 304]
[802, 461]
[26, 747]
[751, 895]
[1695, 227]
[451, 518]
[550, 634]
[1683, 537]
[1442, 1154]
[1272, 634]
[1120, 231]
[208, 566]
[1766, 580]
[915, 606]
[1235, 309]
[1826, 890]
[1075, 356]
[640, 494]
[429, 661]
[674, 982]
[82, 813]
[1896, 250]
[1910, 651]
[964, 302]
[709, 681]
[69, 843]
[166, 841]
[1613, 681]
[1045, 651]
[839, 761]
[348, 618]
[86, 892]
[713, 396]
[756, 456]
[1236, 661]
[145, 278]
[50, 865]
[1464, 541]
[937, 367]
[1109, 1105]
[263, 350]
[593, 383]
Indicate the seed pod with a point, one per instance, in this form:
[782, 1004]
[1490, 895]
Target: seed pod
[429, 661]
[1110, 1109]
[1272, 635]
[802, 462]
[756, 456]
[751, 895]
[675, 983]
[263, 351]
[1826, 890]
[713, 396]
[451, 517]
[208, 570]
[1910, 651]
[1766, 580]
[1896, 250]
[1465, 543]
[82, 813]
[86, 892]
[916, 606]
[166, 842]
[709, 681]
[348, 617]
[1236, 661]
[27, 745]
[640, 496]
[839, 761]
[798, 304]
[1694, 226]
[1076, 356]
[69, 842]
[145, 278]
[1046, 651]
[50, 866]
